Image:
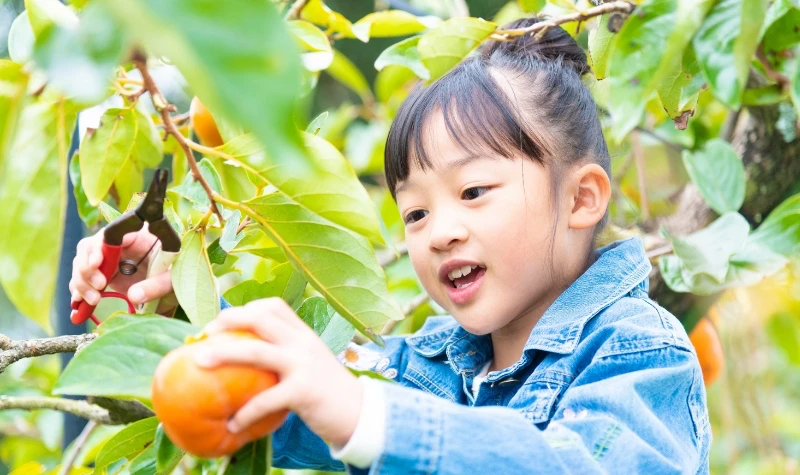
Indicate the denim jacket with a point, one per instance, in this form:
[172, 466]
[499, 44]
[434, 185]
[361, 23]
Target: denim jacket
[608, 382]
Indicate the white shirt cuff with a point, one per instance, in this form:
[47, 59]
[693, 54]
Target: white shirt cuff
[367, 441]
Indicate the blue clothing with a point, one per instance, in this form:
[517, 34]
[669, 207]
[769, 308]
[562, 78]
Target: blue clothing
[608, 382]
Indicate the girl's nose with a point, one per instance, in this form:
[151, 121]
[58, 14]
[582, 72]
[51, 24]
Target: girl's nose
[446, 233]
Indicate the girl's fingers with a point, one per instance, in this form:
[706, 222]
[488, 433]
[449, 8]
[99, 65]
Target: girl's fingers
[252, 352]
[274, 399]
[150, 289]
[278, 308]
[265, 325]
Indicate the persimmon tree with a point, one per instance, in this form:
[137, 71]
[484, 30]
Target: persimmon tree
[699, 101]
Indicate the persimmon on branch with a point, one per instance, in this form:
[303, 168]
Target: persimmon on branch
[163, 107]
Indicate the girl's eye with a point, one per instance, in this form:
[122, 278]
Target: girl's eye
[475, 192]
[414, 216]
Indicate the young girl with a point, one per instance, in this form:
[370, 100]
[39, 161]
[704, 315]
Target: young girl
[553, 358]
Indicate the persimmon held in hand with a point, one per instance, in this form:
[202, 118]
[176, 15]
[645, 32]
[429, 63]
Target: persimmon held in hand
[709, 350]
[204, 125]
[194, 403]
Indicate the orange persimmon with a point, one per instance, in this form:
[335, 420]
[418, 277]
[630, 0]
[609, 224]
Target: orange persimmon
[194, 403]
[709, 350]
[204, 125]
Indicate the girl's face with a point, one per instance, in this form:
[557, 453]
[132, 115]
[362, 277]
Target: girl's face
[488, 215]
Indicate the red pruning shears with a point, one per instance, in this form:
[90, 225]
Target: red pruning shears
[151, 209]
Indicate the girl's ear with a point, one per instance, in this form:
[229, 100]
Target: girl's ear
[590, 196]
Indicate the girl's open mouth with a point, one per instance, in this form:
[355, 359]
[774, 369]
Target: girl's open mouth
[462, 289]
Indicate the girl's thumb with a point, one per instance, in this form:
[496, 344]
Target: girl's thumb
[151, 289]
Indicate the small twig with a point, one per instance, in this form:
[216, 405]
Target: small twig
[295, 10]
[66, 467]
[180, 119]
[225, 156]
[13, 351]
[638, 158]
[117, 412]
[542, 27]
[678, 147]
[390, 257]
[784, 82]
[243, 224]
[164, 108]
[659, 251]
[410, 308]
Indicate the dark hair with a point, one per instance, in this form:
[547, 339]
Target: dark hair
[552, 118]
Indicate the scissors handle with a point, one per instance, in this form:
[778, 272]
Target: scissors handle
[82, 310]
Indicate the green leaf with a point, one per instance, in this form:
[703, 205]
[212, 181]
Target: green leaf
[763, 96]
[708, 251]
[779, 31]
[725, 46]
[193, 280]
[680, 89]
[216, 255]
[780, 232]
[33, 192]
[532, 6]
[21, 39]
[121, 362]
[144, 463]
[719, 175]
[45, 13]
[784, 329]
[79, 59]
[127, 443]
[338, 263]
[600, 44]
[105, 151]
[752, 264]
[318, 55]
[193, 191]
[223, 49]
[13, 82]
[445, 46]
[108, 212]
[344, 71]
[317, 123]
[632, 65]
[254, 458]
[148, 149]
[334, 193]
[167, 454]
[317, 12]
[88, 213]
[392, 23]
[334, 330]
[794, 92]
[284, 282]
[406, 54]
[230, 238]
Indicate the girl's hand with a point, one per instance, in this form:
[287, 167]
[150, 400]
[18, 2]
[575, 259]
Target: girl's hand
[87, 280]
[312, 382]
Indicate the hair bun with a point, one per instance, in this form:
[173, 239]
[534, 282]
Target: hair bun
[556, 46]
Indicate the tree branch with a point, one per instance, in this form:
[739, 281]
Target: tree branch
[66, 467]
[542, 27]
[163, 107]
[390, 257]
[128, 411]
[294, 11]
[13, 351]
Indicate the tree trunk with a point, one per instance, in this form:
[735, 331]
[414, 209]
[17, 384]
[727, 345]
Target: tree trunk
[771, 168]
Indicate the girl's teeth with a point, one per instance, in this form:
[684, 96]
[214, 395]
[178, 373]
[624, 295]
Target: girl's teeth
[464, 285]
[465, 270]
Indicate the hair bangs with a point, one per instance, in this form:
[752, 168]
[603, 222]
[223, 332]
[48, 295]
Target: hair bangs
[477, 114]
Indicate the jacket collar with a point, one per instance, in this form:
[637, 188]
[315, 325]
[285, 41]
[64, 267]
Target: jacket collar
[619, 268]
